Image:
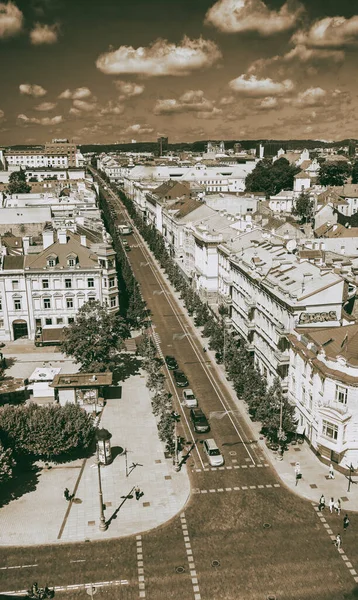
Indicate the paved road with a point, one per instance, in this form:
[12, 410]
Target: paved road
[242, 536]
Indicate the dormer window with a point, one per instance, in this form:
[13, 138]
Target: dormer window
[51, 260]
[72, 260]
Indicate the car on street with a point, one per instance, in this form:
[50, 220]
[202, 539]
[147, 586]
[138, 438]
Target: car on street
[213, 453]
[189, 398]
[180, 378]
[171, 362]
[199, 420]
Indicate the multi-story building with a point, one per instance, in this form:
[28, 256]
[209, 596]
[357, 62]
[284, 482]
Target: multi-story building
[46, 289]
[55, 154]
[323, 384]
[62, 147]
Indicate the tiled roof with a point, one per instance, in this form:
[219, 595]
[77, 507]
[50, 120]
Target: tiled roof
[86, 258]
[13, 262]
[335, 341]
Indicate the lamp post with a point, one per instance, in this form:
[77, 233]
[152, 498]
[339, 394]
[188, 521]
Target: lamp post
[102, 520]
[104, 456]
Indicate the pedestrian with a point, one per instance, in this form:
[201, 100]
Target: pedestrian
[338, 541]
[331, 472]
[338, 507]
[322, 503]
[331, 505]
[345, 523]
[137, 492]
[66, 494]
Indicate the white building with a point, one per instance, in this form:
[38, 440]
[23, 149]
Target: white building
[45, 289]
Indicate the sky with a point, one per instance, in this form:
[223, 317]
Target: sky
[122, 70]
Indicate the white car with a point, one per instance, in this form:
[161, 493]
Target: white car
[189, 398]
[213, 453]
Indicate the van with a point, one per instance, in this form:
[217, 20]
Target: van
[213, 453]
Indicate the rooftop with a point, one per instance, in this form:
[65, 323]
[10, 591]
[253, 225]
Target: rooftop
[81, 380]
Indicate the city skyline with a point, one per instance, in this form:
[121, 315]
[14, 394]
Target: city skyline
[226, 69]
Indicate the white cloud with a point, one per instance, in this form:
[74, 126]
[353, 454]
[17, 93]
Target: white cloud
[236, 16]
[46, 121]
[160, 58]
[310, 97]
[267, 103]
[84, 106]
[128, 89]
[2, 114]
[227, 100]
[190, 101]
[330, 32]
[32, 89]
[139, 129]
[112, 109]
[77, 94]
[44, 34]
[11, 20]
[45, 106]
[254, 87]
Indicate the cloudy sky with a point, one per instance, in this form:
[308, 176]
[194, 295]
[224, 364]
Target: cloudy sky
[118, 70]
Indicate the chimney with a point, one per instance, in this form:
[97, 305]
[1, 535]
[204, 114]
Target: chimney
[26, 244]
[47, 238]
[62, 236]
[83, 240]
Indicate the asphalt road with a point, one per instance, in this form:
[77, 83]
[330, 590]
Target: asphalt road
[242, 536]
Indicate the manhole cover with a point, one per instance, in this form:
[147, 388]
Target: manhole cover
[232, 453]
[271, 597]
[179, 570]
[215, 563]
[266, 526]
[77, 501]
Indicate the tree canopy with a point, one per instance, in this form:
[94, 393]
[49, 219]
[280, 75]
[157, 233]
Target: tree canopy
[304, 207]
[334, 173]
[271, 177]
[355, 172]
[17, 183]
[95, 337]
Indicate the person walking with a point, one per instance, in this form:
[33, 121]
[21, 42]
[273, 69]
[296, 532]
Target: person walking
[331, 472]
[322, 503]
[337, 506]
[137, 492]
[346, 522]
[331, 505]
[66, 494]
[338, 541]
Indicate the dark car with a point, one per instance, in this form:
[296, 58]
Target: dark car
[171, 363]
[180, 379]
[199, 420]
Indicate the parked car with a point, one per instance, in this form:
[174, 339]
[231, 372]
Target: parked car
[171, 363]
[199, 420]
[189, 398]
[213, 453]
[180, 378]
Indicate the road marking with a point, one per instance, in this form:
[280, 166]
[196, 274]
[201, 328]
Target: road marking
[77, 586]
[189, 554]
[140, 566]
[76, 561]
[234, 489]
[18, 567]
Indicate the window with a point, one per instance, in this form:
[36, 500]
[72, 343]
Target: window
[90, 282]
[329, 430]
[15, 284]
[47, 303]
[112, 282]
[1, 323]
[45, 284]
[0, 304]
[48, 321]
[68, 283]
[69, 302]
[70, 320]
[17, 304]
[71, 262]
[113, 302]
[310, 402]
[59, 320]
[341, 394]
[51, 262]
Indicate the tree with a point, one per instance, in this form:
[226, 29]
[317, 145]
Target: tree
[17, 183]
[46, 431]
[304, 207]
[271, 177]
[334, 173]
[95, 337]
[269, 412]
[355, 172]
[7, 463]
[166, 426]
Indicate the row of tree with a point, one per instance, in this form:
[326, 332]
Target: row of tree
[265, 405]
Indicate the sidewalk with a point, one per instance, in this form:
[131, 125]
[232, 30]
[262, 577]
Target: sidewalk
[43, 516]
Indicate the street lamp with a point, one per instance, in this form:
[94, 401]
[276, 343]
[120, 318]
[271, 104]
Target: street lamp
[102, 521]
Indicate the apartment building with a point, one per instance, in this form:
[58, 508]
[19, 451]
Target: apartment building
[44, 289]
[323, 384]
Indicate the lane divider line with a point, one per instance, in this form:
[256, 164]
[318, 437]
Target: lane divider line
[140, 566]
[189, 554]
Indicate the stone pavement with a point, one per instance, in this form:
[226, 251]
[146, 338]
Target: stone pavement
[43, 516]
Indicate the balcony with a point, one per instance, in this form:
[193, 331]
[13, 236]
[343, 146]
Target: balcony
[339, 407]
[250, 302]
[283, 358]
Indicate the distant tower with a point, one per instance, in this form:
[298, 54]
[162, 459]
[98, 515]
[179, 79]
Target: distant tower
[237, 147]
[162, 145]
[351, 148]
[222, 148]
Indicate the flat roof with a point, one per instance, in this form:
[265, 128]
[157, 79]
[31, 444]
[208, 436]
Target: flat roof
[81, 380]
